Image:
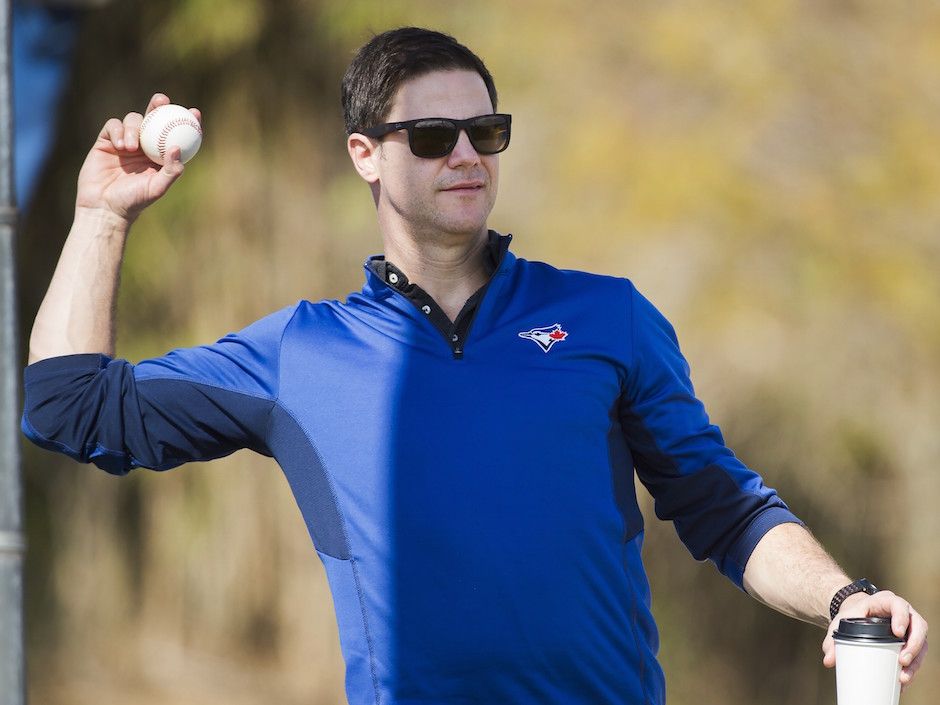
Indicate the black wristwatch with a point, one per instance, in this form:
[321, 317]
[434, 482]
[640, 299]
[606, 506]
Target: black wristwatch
[858, 586]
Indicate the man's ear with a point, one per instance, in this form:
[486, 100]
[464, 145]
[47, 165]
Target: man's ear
[364, 152]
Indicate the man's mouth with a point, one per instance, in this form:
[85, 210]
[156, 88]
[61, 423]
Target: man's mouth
[465, 186]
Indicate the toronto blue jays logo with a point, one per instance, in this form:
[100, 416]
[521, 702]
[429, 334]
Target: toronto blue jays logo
[545, 337]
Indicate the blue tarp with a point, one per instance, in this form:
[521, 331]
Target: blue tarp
[43, 45]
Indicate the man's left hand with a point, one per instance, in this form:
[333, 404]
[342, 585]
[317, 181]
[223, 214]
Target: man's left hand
[905, 623]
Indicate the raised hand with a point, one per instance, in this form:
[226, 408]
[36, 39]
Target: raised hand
[117, 178]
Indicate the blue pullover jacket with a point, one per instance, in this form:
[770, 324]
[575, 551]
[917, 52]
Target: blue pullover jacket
[475, 513]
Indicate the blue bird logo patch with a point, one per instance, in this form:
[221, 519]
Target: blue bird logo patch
[545, 337]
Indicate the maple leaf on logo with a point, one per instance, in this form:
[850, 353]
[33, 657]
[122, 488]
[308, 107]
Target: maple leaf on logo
[558, 335]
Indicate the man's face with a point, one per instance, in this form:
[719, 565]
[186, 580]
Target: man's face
[450, 194]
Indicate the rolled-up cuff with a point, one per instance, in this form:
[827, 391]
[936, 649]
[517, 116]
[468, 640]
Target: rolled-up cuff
[741, 552]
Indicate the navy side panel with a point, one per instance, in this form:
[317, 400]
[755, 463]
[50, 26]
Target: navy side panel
[311, 485]
[621, 479]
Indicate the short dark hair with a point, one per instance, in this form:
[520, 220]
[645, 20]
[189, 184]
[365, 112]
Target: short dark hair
[393, 57]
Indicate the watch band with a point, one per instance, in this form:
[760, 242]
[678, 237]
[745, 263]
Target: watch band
[862, 585]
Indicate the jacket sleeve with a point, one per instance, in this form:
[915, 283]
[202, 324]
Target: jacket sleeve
[191, 404]
[720, 508]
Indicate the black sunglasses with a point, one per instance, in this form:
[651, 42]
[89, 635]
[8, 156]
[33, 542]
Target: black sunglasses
[436, 137]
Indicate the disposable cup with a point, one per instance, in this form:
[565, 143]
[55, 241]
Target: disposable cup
[867, 667]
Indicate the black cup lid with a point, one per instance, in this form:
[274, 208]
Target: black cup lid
[873, 630]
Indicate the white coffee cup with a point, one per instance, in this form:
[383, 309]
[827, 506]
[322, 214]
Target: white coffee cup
[867, 667]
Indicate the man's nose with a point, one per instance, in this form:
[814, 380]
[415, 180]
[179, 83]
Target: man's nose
[464, 152]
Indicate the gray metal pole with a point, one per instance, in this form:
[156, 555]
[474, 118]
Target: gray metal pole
[12, 543]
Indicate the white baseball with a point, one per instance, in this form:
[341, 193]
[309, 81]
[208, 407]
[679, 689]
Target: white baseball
[169, 126]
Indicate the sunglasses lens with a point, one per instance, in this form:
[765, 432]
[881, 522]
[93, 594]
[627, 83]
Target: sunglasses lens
[489, 134]
[433, 138]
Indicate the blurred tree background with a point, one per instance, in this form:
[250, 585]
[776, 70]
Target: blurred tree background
[766, 172]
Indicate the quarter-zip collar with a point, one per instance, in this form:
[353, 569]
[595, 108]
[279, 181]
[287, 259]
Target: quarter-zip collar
[382, 276]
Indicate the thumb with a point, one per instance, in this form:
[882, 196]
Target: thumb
[164, 178]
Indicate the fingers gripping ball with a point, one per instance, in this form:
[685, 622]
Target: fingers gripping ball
[169, 126]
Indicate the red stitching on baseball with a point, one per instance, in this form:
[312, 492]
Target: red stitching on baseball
[175, 122]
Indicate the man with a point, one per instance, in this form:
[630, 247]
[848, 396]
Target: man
[459, 436]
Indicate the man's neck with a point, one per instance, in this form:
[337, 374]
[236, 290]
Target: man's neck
[450, 268]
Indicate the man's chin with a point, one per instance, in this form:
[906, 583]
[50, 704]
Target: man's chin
[466, 228]
[469, 224]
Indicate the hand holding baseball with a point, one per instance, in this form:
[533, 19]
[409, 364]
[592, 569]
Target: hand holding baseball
[118, 176]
